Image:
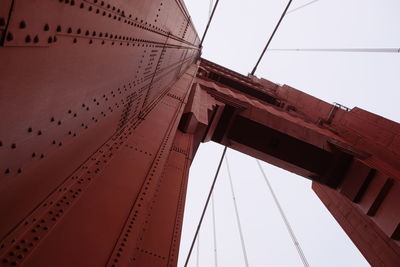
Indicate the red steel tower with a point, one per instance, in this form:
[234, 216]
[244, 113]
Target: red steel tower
[103, 105]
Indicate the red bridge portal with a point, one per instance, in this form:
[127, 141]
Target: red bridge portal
[103, 105]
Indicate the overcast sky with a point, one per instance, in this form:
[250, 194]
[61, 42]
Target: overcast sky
[371, 81]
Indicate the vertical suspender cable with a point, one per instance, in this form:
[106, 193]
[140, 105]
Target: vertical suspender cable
[211, 7]
[198, 251]
[289, 228]
[237, 214]
[214, 230]
[271, 37]
[209, 22]
[205, 206]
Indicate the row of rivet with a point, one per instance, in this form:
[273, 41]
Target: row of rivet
[55, 206]
[72, 133]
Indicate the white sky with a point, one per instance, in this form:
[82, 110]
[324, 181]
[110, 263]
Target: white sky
[371, 81]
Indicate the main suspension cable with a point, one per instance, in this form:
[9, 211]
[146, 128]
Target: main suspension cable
[237, 214]
[359, 50]
[289, 228]
[205, 206]
[208, 24]
[271, 37]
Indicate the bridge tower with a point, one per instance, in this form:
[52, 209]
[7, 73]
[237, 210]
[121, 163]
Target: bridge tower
[102, 107]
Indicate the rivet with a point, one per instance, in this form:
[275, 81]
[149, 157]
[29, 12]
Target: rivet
[22, 25]
[50, 40]
[58, 28]
[36, 39]
[27, 39]
[46, 27]
[9, 37]
[13, 146]
[69, 30]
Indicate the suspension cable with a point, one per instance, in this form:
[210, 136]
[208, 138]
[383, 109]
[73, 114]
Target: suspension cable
[237, 214]
[205, 206]
[214, 230]
[362, 50]
[208, 24]
[271, 37]
[302, 6]
[289, 228]
[198, 251]
[210, 9]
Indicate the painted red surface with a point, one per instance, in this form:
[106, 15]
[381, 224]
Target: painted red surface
[103, 105]
[351, 155]
[82, 144]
